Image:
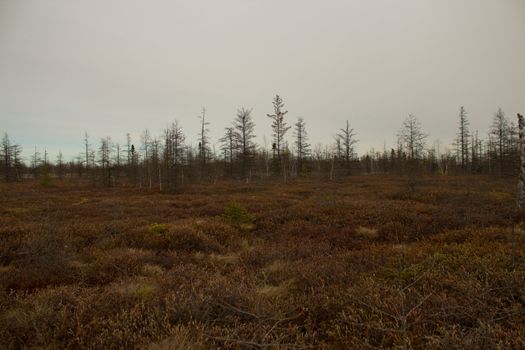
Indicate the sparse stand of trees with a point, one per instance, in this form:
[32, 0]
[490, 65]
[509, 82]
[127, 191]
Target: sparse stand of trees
[10, 159]
[169, 161]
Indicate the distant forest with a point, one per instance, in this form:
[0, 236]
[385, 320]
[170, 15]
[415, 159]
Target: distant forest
[167, 161]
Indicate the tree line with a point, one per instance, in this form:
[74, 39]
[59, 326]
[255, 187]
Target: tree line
[168, 161]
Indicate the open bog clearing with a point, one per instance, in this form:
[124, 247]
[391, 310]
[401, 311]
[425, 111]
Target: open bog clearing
[361, 263]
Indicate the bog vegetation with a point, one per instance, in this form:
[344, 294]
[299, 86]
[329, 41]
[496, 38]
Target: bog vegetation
[363, 262]
[168, 246]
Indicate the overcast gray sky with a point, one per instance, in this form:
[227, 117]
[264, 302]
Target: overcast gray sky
[114, 66]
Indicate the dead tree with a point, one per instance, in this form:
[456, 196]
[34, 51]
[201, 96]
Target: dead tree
[146, 149]
[463, 138]
[17, 160]
[104, 153]
[86, 151]
[228, 145]
[500, 132]
[347, 140]
[243, 131]
[279, 129]
[412, 138]
[173, 153]
[521, 181]
[134, 164]
[302, 146]
[117, 163]
[518, 218]
[60, 164]
[204, 148]
[155, 161]
[6, 157]
[35, 162]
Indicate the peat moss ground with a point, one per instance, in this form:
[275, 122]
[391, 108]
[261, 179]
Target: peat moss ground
[360, 263]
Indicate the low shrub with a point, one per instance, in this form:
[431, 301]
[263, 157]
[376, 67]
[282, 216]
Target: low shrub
[237, 214]
[157, 228]
[366, 233]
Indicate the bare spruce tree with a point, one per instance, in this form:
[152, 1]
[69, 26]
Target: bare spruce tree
[6, 153]
[60, 164]
[134, 164]
[302, 146]
[463, 138]
[412, 138]
[204, 148]
[521, 178]
[86, 151]
[244, 133]
[17, 160]
[35, 163]
[228, 146]
[499, 133]
[279, 129]
[155, 161]
[146, 149]
[117, 162]
[173, 153]
[104, 160]
[347, 141]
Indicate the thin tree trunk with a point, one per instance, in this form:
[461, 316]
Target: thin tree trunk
[160, 177]
[332, 168]
[521, 180]
[521, 187]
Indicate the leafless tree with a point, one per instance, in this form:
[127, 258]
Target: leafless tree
[17, 160]
[521, 181]
[86, 150]
[60, 164]
[302, 146]
[128, 148]
[204, 148]
[347, 140]
[155, 161]
[228, 146]
[279, 129]
[6, 154]
[173, 153]
[499, 131]
[244, 133]
[104, 160]
[117, 162]
[146, 151]
[463, 138]
[134, 158]
[35, 162]
[412, 138]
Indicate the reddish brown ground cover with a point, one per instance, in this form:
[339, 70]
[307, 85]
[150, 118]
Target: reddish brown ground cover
[361, 263]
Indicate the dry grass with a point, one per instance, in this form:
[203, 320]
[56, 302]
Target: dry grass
[366, 233]
[357, 264]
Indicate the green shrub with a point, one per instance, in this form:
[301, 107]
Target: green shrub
[236, 214]
[158, 228]
[144, 291]
[45, 176]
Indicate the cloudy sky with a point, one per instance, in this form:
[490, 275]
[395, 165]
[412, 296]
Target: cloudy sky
[110, 67]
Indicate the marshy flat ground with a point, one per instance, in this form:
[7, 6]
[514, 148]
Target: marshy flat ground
[364, 262]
